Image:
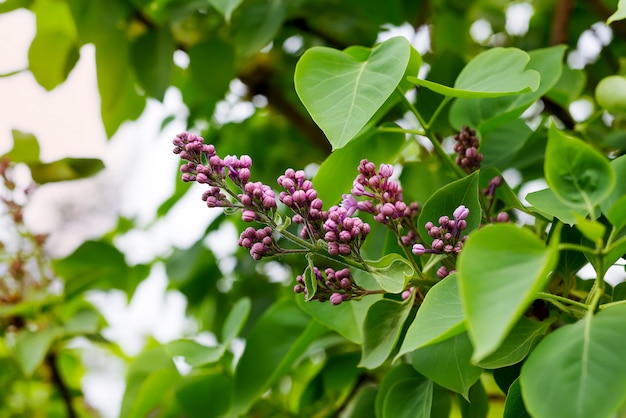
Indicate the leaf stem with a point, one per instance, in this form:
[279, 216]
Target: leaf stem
[556, 298]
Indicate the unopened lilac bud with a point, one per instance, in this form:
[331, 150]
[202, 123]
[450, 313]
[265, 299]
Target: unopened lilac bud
[443, 221]
[287, 183]
[345, 235]
[336, 299]
[442, 272]
[461, 225]
[438, 244]
[386, 170]
[317, 204]
[345, 283]
[503, 217]
[245, 161]
[388, 209]
[407, 293]
[186, 177]
[461, 213]
[244, 174]
[298, 289]
[246, 200]
[333, 248]
[418, 249]
[269, 202]
[344, 249]
[248, 216]
[299, 196]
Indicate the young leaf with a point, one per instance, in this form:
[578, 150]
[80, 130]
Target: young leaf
[577, 173]
[445, 200]
[439, 317]
[66, 169]
[495, 72]
[235, 320]
[617, 213]
[500, 268]
[514, 404]
[399, 373]
[31, 347]
[391, 272]
[476, 405]
[257, 24]
[381, 330]
[516, 346]
[152, 58]
[342, 93]
[225, 7]
[619, 191]
[195, 354]
[619, 14]
[409, 398]
[592, 230]
[578, 370]
[25, 148]
[156, 386]
[546, 202]
[448, 363]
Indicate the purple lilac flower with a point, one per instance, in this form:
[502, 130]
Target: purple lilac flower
[260, 242]
[447, 237]
[300, 196]
[466, 147]
[336, 287]
[343, 232]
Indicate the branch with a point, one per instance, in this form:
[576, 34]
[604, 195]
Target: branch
[560, 22]
[57, 381]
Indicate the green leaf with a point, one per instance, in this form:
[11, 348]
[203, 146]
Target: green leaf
[25, 148]
[477, 404]
[391, 272]
[139, 382]
[347, 319]
[54, 50]
[195, 354]
[156, 386]
[488, 113]
[445, 200]
[340, 168]
[617, 213]
[235, 320]
[501, 144]
[500, 268]
[592, 230]
[399, 373]
[225, 7]
[619, 191]
[116, 83]
[516, 346]
[257, 24]
[619, 14]
[577, 173]
[278, 339]
[546, 202]
[342, 93]
[381, 330]
[514, 404]
[204, 396]
[409, 398]
[448, 363]
[31, 348]
[212, 68]
[66, 169]
[439, 317]
[495, 72]
[152, 58]
[578, 370]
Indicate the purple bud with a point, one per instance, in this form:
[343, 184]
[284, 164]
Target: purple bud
[345, 236]
[345, 283]
[248, 215]
[442, 272]
[246, 200]
[388, 209]
[407, 293]
[344, 249]
[330, 236]
[317, 204]
[287, 183]
[461, 225]
[438, 244]
[418, 249]
[298, 289]
[245, 161]
[502, 217]
[461, 213]
[299, 196]
[244, 174]
[443, 221]
[333, 248]
[358, 189]
[386, 170]
[336, 299]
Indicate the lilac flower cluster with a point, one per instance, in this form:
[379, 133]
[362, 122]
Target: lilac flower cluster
[344, 233]
[301, 197]
[447, 236]
[383, 199]
[337, 287]
[466, 148]
[260, 242]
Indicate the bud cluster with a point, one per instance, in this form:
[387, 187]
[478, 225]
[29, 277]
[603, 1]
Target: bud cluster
[490, 194]
[300, 196]
[260, 242]
[466, 147]
[447, 236]
[383, 199]
[344, 233]
[336, 287]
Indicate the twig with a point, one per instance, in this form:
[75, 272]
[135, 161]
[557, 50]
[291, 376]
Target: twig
[57, 381]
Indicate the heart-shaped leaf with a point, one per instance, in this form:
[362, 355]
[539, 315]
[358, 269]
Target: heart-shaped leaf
[495, 72]
[546, 202]
[501, 268]
[578, 174]
[579, 370]
[342, 91]
[391, 272]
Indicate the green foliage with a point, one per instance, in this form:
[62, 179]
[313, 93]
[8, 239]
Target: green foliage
[415, 330]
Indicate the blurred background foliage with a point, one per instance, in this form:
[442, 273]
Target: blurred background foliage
[142, 49]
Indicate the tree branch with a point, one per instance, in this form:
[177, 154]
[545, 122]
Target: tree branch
[560, 22]
[57, 380]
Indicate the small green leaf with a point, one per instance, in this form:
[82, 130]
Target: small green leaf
[476, 405]
[546, 202]
[195, 354]
[152, 57]
[391, 272]
[495, 72]
[235, 320]
[257, 24]
[501, 268]
[619, 14]
[516, 346]
[156, 386]
[514, 404]
[66, 169]
[342, 93]
[204, 396]
[399, 373]
[409, 398]
[448, 363]
[439, 317]
[592, 230]
[25, 148]
[617, 213]
[445, 200]
[619, 191]
[381, 330]
[578, 370]
[31, 348]
[577, 173]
